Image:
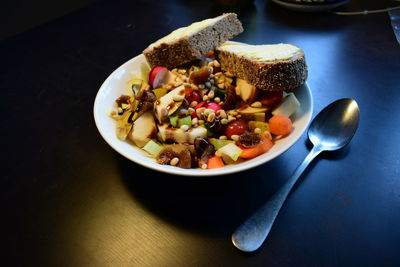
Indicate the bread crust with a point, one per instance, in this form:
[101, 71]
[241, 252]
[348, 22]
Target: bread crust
[187, 49]
[281, 75]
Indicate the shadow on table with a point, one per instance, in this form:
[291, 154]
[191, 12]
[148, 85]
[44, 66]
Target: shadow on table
[216, 205]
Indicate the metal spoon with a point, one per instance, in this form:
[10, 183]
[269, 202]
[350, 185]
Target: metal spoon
[331, 129]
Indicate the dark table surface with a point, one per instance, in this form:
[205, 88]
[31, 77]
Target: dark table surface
[68, 199]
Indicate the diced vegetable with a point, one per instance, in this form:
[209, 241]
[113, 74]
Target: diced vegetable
[159, 92]
[215, 162]
[220, 93]
[231, 150]
[280, 125]
[173, 120]
[261, 148]
[153, 148]
[218, 143]
[185, 121]
[289, 106]
[263, 126]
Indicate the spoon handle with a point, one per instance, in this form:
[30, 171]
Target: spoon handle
[252, 233]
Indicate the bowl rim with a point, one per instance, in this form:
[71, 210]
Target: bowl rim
[98, 112]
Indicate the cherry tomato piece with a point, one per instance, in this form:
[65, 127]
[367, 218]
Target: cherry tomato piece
[201, 104]
[237, 127]
[194, 115]
[271, 98]
[191, 95]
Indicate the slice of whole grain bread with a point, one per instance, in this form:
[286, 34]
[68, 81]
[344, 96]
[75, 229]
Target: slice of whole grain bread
[275, 74]
[190, 43]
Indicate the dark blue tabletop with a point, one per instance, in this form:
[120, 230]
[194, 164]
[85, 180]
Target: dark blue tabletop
[68, 199]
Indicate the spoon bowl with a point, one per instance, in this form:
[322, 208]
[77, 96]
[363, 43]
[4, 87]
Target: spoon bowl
[331, 129]
[335, 125]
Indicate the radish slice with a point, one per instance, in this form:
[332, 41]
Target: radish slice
[214, 106]
[159, 76]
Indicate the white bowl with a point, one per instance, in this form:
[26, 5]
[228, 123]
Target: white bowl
[117, 84]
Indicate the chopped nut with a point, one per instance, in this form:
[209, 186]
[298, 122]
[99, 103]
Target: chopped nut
[257, 130]
[181, 71]
[205, 98]
[177, 83]
[223, 137]
[185, 127]
[193, 104]
[191, 110]
[204, 166]
[194, 87]
[174, 161]
[222, 113]
[201, 86]
[221, 85]
[256, 104]
[221, 103]
[231, 118]
[217, 100]
[224, 121]
[195, 121]
[211, 94]
[208, 111]
[211, 117]
[178, 98]
[200, 110]
[235, 137]
[216, 63]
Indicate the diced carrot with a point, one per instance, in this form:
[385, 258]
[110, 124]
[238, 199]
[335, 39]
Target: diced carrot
[280, 125]
[261, 148]
[215, 162]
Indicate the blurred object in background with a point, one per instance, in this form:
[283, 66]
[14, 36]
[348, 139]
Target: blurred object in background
[395, 19]
[234, 5]
[310, 5]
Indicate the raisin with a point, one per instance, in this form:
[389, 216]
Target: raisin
[200, 76]
[123, 99]
[185, 159]
[249, 139]
[165, 156]
[209, 151]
